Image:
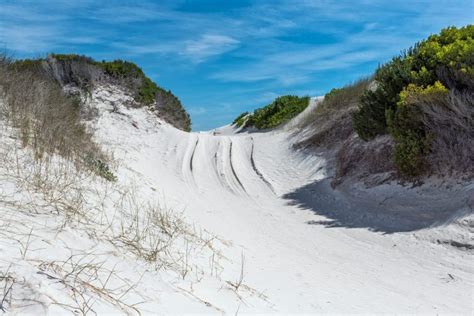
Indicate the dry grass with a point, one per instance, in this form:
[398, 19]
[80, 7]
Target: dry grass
[330, 128]
[47, 120]
[108, 213]
[41, 161]
[158, 236]
[449, 122]
[330, 123]
[88, 280]
[365, 160]
[236, 285]
[7, 281]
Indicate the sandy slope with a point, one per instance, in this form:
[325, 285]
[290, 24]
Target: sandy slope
[266, 199]
[286, 242]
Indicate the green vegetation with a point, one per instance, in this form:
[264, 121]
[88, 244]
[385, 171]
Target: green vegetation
[72, 57]
[100, 168]
[240, 120]
[281, 110]
[26, 64]
[451, 51]
[146, 89]
[342, 98]
[412, 143]
[427, 71]
[84, 71]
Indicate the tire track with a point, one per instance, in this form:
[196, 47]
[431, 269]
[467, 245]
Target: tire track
[254, 167]
[233, 170]
[192, 156]
[220, 165]
[187, 164]
[219, 175]
[225, 169]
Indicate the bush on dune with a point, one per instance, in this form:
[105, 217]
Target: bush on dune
[434, 78]
[450, 51]
[414, 116]
[433, 130]
[281, 110]
[145, 89]
[369, 120]
[406, 127]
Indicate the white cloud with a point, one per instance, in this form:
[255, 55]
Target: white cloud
[299, 65]
[208, 45]
[194, 50]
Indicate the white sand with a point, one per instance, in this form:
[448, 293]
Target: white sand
[273, 205]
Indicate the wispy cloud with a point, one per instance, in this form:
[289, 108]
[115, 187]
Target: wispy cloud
[21, 38]
[209, 45]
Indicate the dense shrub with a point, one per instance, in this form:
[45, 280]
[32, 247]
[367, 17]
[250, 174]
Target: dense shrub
[450, 121]
[145, 89]
[281, 110]
[77, 70]
[170, 109]
[433, 130]
[412, 142]
[421, 76]
[451, 51]
[27, 64]
[371, 162]
[369, 120]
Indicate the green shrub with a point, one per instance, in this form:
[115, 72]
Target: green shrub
[145, 89]
[281, 110]
[420, 76]
[72, 57]
[100, 168]
[369, 120]
[240, 120]
[412, 142]
[452, 49]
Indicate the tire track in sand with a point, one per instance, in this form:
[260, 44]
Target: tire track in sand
[187, 164]
[225, 168]
[255, 169]
[233, 170]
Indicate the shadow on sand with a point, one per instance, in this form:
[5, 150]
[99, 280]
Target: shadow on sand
[386, 208]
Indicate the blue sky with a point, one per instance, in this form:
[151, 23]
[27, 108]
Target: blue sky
[225, 57]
